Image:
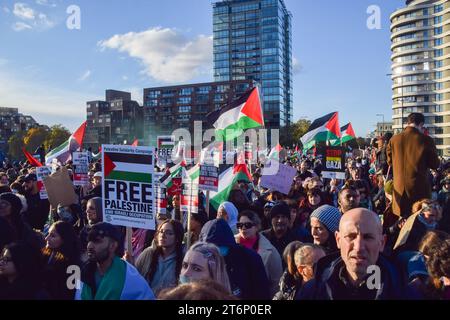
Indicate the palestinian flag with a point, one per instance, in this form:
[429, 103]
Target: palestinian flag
[31, 160]
[227, 180]
[232, 120]
[194, 173]
[275, 152]
[347, 134]
[175, 171]
[63, 153]
[127, 167]
[322, 129]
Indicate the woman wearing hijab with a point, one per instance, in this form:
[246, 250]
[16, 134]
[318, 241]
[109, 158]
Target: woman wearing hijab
[228, 212]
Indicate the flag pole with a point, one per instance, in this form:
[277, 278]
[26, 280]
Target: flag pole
[129, 241]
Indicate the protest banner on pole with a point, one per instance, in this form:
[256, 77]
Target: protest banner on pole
[81, 168]
[160, 194]
[41, 174]
[128, 192]
[189, 196]
[278, 181]
[165, 145]
[333, 162]
[209, 178]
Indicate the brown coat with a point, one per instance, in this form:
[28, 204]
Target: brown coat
[411, 154]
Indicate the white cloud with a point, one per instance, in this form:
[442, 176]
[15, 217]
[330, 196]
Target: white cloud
[166, 53]
[22, 11]
[20, 26]
[46, 3]
[85, 75]
[296, 66]
[35, 20]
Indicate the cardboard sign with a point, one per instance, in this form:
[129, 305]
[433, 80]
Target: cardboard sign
[41, 174]
[209, 178]
[333, 162]
[81, 168]
[128, 189]
[278, 179]
[60, 188]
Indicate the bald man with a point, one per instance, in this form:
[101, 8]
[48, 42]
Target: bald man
[358, 272]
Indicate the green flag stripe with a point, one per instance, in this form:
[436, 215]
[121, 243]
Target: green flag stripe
[235, 130]
[130, 176]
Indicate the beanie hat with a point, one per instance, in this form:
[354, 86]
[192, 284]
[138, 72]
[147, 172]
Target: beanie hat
[16, 203]
[329, 216]
[280, 208]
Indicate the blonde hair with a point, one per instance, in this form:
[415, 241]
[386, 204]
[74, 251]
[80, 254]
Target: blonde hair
[216, 263]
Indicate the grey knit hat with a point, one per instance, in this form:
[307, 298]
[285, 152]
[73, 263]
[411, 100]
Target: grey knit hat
[329, 216]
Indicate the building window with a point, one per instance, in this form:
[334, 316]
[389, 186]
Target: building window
[184, 100]
[438, 8]
[186, 91]
[184, 109]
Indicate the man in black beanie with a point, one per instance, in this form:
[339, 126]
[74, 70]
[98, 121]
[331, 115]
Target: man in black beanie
[280, 235]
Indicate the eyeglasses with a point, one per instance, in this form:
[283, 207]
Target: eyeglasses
[246, 225]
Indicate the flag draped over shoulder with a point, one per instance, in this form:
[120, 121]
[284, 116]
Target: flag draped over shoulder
[227, 180]
[347, 134]
[323, 129]
[232, 120]
[63, 153]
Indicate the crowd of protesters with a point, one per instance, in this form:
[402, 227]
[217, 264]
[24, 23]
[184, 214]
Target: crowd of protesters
[321, 241]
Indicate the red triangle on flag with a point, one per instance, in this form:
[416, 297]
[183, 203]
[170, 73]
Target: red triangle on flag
[109, 165]
[135, 143]
[333, 125]
[252, 108]
[79, 134]
[350, 131]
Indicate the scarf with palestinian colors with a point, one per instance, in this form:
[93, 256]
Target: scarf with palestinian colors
[111, 285]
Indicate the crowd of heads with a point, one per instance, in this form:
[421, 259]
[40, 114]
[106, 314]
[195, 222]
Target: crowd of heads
[260, 243]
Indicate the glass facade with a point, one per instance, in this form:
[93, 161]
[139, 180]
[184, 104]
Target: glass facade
[253, 41]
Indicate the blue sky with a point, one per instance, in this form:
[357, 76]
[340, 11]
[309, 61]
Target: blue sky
[49, 71]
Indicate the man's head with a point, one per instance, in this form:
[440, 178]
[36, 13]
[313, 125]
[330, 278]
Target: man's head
[306, 258]
[304, 166]
[103, 241]
[4, 179]
[280, 216]
[97, 179]
[416, 120]
[348, 198]
[30, 183]
[360, 240]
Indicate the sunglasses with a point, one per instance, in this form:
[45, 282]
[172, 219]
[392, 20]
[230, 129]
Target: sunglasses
[246, 225]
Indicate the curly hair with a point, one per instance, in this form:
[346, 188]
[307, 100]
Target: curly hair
[438, 263]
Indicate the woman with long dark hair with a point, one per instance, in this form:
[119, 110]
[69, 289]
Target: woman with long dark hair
[161, 265]
[62, 250]
[21, 273]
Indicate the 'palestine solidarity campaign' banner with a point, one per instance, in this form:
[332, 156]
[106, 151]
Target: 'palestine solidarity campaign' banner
[128, 193]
